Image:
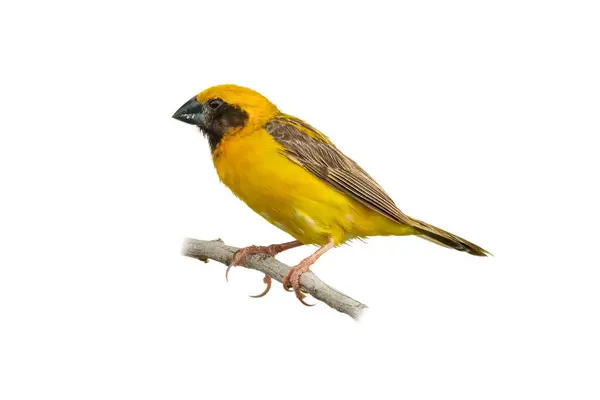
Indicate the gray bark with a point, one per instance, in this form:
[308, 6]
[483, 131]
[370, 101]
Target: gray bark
[218, 251]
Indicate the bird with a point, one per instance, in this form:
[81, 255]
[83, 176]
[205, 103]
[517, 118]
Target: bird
[293, 176]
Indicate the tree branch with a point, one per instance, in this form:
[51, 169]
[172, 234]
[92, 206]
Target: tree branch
[219, 251]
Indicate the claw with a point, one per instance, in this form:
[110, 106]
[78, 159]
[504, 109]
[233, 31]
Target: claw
[227, 272]
[267, 279]
[301, 297]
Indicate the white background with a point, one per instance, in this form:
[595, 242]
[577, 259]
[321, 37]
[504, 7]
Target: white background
[479, 117]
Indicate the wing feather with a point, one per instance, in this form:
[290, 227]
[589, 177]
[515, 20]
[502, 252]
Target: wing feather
[309, 148]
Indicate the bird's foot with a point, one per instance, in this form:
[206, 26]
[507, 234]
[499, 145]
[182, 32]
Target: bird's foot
[292, 280]
[239, 258]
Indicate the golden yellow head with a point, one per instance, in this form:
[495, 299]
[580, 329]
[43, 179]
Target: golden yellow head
[257, 106]
[223, 109]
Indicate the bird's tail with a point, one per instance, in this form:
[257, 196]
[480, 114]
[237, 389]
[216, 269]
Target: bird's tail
[446, 239]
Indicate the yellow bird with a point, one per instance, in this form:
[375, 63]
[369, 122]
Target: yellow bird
[294, 177]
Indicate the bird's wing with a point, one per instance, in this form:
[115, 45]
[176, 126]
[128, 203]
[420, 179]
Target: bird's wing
[312, 150]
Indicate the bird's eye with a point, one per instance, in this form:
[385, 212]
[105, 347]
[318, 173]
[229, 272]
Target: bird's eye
[215, 103]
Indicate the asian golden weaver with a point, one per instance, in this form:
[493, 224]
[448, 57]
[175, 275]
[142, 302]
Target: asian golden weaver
[295, 178]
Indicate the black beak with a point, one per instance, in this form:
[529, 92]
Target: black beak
[190, 113]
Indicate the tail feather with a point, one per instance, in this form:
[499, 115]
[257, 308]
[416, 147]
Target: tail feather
[446, 239]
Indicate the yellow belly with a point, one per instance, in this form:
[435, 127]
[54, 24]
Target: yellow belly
[291, 198]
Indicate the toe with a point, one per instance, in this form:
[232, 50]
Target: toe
[238, 258]
[301, 296]
[267, 279]
[286, 283]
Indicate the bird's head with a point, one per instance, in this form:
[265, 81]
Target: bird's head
[225, 109]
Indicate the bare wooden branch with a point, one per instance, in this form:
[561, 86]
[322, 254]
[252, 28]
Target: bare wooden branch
[219, 251]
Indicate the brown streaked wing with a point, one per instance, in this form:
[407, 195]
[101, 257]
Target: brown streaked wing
[327, 163]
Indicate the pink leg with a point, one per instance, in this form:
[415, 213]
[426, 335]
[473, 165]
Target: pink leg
[239, 258]
[292, 279]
